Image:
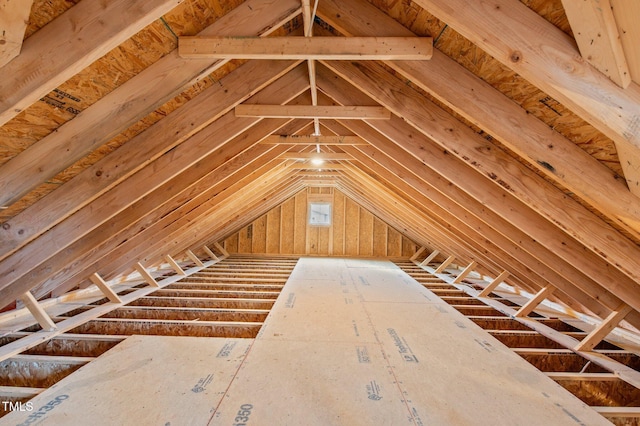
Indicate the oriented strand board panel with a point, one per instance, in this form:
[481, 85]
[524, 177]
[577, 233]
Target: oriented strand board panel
[145, 380]
[394, 355]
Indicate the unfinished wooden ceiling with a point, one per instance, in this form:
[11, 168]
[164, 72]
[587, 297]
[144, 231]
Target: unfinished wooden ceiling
[515, 146]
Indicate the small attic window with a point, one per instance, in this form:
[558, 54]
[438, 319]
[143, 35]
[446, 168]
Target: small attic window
[320, 214]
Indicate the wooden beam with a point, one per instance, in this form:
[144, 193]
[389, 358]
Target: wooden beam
[211, 254]
[587, 377]
[618, 412]
[429, 258]
[556, 69]
[325, 156]
[494, 284]
[440, 269]
[310, 111]
[174, 265]
[37, 311]
[417, 253]
[314, 48]
[528, 307]
[325, 166]
[104, 287]
[14, 16]
[596, 33]
[313, 140]
[195, 258]
[137, 97]
[84, 33]
[462, 275]
[604, 328]
[146, 275]
[222, 249]
[626, 13]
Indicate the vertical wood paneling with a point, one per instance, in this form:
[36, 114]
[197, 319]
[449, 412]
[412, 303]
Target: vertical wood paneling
[259, 235]
[354, 231]
[300, 225]
[287, 223]
[273, 231]
[352, 215]
[379, 238]
[365, 237]
[394, 242]
[338, 223]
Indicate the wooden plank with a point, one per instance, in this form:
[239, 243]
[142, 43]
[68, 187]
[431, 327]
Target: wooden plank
[556, 69]
[365, 233]
[313, 140]
[7, 392]
[596, 33]
[287, 226]
[195, 258]
[311, 48]
[137, 97]
[618, 412]
[38, 312]
[325, 166]
[310, 111]
[418, 253]
[84, 34]
[429, 258]
[531, 305]
[146, 275]
[211, 254]
[324, 156]
[274, 231]
[462, 275]
[14, 15]
[440, 269]
[106, 289]
[174, 265]
[201, 369]
[625, 13]
[562, 376]
[352, 227]
[494, 284]
[604, 328]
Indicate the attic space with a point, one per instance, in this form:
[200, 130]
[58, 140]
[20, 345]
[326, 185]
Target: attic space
[320, 212]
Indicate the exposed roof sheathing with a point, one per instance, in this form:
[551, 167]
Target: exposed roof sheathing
[115, 150]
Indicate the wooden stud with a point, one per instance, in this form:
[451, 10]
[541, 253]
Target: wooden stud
[605, 327]
[311, 111]
[429, 258]
[211, 254]
[464, 273]
[494, 284]
[310, 48]
[174, 265]
[528, 307]
[146, 275]
[626, 13]
[37, 311]
[440, 269]
[195, 258]
[104, 287]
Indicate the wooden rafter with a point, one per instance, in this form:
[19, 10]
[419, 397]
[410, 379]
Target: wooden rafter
[512, 33]
[14, 15]
[310, 48]
[138, 96]
[81, 42]
[626, 13]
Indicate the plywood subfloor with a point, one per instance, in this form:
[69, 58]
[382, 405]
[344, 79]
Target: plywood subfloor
[145, 380]
[348, 342]
[356, 342]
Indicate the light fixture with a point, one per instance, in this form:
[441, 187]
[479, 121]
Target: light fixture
[317, 161]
